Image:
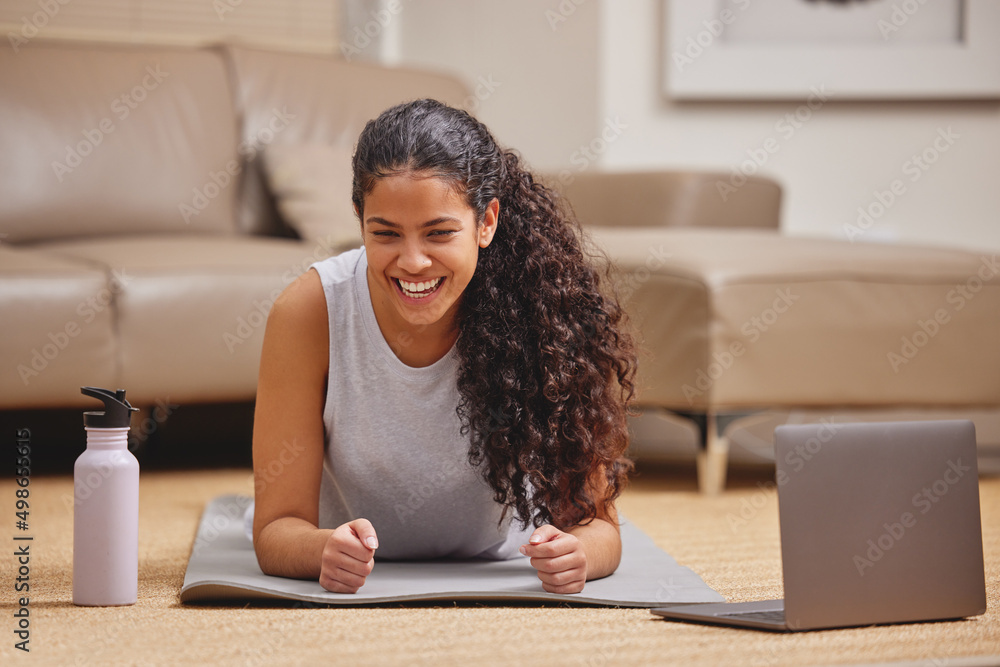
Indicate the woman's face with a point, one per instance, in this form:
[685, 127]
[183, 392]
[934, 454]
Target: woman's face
[422, 243]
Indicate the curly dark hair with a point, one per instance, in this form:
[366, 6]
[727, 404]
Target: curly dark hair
[547, 367]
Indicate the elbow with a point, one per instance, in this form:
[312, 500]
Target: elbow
[614, 559]
[263, 562]
[265, 556]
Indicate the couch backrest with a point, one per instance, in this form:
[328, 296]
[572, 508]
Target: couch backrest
[670, 199]
[116, 139]
[290, 98]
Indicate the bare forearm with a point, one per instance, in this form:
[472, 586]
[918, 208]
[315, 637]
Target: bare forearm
[291, 547]
[603, 545]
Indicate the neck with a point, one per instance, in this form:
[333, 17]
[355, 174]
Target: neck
[422, 345]
[416, 345]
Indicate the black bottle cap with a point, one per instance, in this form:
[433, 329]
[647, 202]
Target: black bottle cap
[117, 411]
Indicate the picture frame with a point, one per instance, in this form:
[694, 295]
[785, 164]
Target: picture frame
[699, 64]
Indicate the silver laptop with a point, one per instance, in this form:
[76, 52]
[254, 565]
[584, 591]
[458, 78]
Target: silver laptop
[879, 524]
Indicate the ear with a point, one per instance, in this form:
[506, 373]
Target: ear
[489, 225]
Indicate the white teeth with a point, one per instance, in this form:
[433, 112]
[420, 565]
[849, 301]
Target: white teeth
[420, 289]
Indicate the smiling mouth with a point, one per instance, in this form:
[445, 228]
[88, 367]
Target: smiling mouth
[418, 290]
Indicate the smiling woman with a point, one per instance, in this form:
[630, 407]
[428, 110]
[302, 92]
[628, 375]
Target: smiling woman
[456, 388]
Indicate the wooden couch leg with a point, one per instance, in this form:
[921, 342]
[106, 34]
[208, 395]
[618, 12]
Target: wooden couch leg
[713, 459]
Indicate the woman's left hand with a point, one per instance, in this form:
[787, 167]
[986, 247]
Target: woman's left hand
[559, 559]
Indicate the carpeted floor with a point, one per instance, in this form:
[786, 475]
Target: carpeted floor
[730, 540]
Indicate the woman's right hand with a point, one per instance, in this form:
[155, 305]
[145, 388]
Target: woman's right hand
[348, 557]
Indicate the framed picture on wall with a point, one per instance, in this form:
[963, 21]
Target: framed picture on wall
[853, 49]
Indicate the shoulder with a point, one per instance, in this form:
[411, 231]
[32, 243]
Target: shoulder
[297, 324]
[303, 299]
[304, 303]
[339, 268]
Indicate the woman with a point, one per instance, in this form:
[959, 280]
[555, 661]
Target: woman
[457, 387]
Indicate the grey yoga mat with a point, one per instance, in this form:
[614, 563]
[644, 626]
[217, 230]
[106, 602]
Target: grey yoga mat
[223, 567]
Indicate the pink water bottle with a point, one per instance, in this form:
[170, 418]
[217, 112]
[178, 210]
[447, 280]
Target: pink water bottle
[106, 507]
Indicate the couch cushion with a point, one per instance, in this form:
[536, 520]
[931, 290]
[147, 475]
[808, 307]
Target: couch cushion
[747, 319]
[192, 312]
[306, 98]
[104, 140]
[311, 184]
[58, 328]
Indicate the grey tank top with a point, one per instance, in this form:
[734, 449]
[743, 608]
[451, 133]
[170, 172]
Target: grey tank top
[394, 451]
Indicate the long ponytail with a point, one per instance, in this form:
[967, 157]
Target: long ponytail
[546, 367]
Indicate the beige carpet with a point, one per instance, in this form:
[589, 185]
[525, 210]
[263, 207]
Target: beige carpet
[740, 561]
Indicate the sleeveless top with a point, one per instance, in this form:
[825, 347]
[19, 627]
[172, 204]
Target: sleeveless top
[394, 452]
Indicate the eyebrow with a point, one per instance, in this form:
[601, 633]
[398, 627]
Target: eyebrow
[429, 223]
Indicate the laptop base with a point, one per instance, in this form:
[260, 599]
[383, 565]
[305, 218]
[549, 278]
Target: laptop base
[763, 615]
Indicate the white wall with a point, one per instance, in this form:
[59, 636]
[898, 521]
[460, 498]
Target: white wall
[830, 165]
[535, 72]
[562, 88]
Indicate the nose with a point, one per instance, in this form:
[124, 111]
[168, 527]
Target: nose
[413, 257]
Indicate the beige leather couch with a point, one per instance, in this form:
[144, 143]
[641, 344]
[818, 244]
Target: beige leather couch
[744, 328]
[139, 244]
[141, 247]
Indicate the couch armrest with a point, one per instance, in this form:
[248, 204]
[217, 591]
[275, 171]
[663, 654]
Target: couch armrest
[670, 199]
